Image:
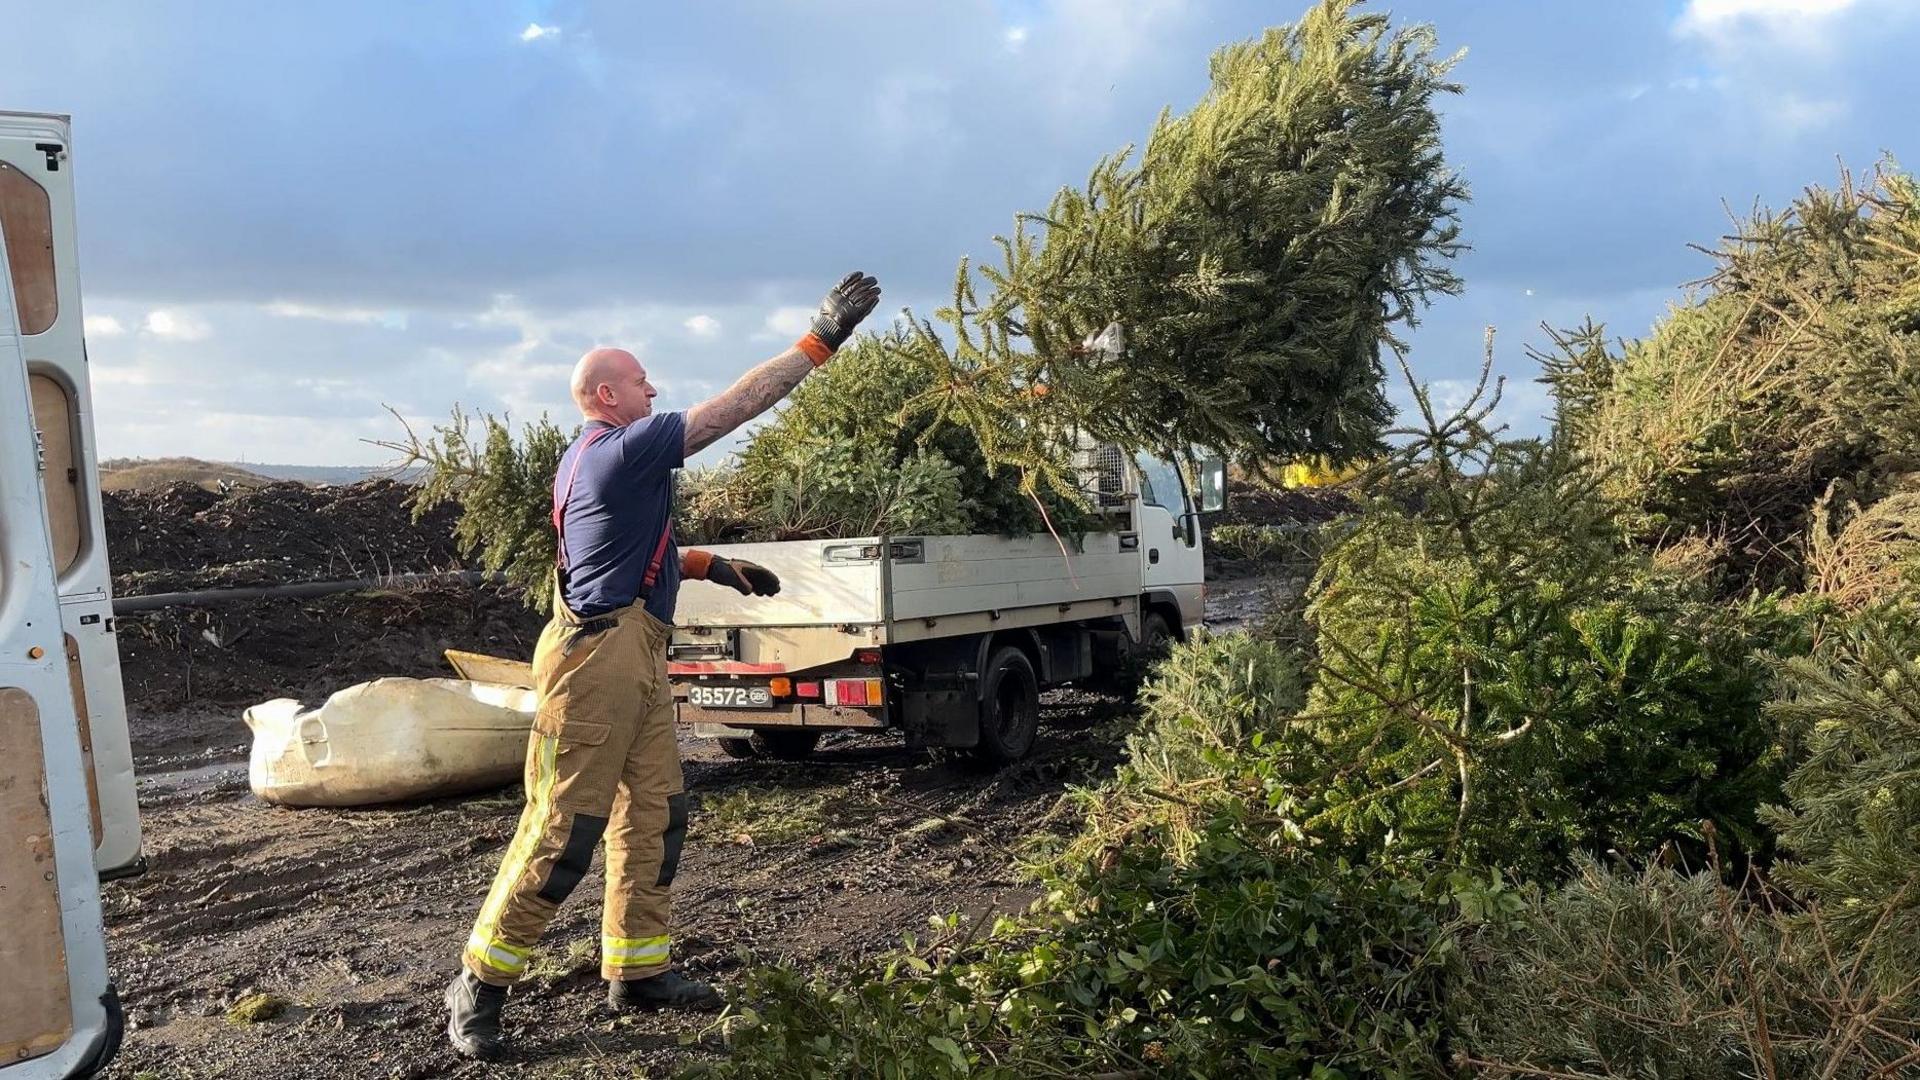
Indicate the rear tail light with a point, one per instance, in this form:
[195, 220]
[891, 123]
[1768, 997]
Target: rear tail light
[866, 656]
[806, 689]
[858, 693]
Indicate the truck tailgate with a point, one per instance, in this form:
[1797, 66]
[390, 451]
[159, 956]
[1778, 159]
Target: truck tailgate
[822, 583]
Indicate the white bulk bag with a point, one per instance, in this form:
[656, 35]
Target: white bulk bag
[390, 740]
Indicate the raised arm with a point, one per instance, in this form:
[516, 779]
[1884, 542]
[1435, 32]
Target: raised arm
[758, 390]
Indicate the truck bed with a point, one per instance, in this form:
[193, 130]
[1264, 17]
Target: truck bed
[889, 590]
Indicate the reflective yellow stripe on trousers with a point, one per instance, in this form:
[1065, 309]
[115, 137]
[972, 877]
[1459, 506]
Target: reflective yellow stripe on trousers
[482, 945]
[634, 952]
[498, 955]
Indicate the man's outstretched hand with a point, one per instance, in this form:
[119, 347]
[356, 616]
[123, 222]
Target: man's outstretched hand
[840, 312]
[751, 579]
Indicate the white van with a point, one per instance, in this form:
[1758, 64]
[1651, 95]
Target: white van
[67, 806]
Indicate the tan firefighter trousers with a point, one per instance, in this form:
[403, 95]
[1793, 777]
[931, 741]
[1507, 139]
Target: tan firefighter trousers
[601, 762]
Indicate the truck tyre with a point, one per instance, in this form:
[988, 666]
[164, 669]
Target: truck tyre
[785, 745]
[1156, 638]
[1009, 707]
[739, 749]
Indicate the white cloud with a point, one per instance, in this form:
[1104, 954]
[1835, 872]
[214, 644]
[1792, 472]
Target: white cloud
[702, 326]
[534, 32]
[790, 320]
[103, 326]
[177, 325]
[287, 309]
[1737, 26]
[1707, 14]
[1798, 114]
[1015, 37]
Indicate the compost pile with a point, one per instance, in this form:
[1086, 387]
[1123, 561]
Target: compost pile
[181, 537]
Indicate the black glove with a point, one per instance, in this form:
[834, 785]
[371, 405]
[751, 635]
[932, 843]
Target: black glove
[751, 579]
[849, 302]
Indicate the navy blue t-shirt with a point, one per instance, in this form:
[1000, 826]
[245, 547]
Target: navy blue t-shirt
[622, 498]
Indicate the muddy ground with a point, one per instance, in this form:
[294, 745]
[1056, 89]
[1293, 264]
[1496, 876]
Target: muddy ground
[356, 917]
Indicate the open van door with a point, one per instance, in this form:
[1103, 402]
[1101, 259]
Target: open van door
[59, 1016]
[42, 247]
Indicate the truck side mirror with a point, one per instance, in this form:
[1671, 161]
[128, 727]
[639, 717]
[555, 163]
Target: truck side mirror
[1213, 484]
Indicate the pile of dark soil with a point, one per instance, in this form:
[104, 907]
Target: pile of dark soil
[1250, 505]
[237, 654]
[233, 654]
[182, 536]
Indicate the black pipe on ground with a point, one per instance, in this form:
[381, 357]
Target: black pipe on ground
[131, 605]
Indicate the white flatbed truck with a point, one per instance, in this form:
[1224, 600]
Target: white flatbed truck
[946, 639]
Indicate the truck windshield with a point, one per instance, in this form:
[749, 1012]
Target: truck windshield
[1159, 483]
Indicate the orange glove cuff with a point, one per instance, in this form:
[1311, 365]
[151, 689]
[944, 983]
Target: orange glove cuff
[817, 351]
[693, 564]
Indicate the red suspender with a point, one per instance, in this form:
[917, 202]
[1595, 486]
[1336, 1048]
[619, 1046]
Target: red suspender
[560, 528]
[560, 498]
[659, 556]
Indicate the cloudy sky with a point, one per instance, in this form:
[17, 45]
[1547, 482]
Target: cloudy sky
[293, 215]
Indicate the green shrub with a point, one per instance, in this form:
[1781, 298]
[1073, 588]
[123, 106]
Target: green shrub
[1851, 824]
[1208, 705]
[1262, 543]
[1247, 959]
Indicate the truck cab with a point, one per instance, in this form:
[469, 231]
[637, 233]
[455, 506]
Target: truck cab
[67, 809]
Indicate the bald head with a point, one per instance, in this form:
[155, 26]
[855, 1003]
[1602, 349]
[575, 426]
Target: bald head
[609, 384]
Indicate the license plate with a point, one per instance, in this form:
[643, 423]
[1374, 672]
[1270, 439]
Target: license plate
[730, 697]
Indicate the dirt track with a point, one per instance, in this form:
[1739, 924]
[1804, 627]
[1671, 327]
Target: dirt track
[356, 917]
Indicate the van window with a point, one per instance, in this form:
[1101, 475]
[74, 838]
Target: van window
[26, 217]
[53, 415]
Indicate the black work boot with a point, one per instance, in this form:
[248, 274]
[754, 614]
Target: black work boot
[473, 1016]
[667, 990]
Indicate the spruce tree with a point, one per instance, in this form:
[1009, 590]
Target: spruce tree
[1234, 285]
[1851, 713]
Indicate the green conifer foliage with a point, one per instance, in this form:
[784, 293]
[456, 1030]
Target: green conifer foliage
[1852, 823]
[1504, 680]
[843, 457]
[1231, 288]
[504, 487]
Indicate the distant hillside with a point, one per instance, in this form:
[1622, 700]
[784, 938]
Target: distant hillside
[331, 474]
[140, 474]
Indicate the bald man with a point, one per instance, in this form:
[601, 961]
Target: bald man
[603, 765]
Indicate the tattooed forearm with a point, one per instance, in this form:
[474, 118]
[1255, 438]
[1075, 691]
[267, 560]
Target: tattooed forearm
[755, 393]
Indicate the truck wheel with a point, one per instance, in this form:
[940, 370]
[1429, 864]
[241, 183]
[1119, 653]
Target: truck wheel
[785, 745]
[739, 749]
[1009, 707]
[1156, 638]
